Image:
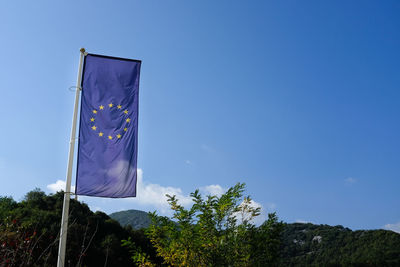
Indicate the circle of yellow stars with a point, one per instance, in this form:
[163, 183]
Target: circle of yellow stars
[100, 133]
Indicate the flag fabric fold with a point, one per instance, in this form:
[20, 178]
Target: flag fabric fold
[108, 132]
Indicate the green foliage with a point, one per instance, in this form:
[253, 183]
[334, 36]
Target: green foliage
[323, 245]
[7, 204]
[139, 257]
[29, 234]
[216, 231]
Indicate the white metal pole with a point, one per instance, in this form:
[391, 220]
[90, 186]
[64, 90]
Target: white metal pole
[67, 193]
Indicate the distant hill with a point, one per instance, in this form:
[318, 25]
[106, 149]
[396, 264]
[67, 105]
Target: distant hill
[136, 218]
[324, 245]
[316, 245]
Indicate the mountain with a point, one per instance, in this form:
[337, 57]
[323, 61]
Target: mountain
[316, 245]
[324, 245]
[136, 218]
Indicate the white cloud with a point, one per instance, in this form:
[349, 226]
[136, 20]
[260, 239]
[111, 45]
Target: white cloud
[151, 196]
[188, 162]
[350, 180]
[214, 189]
[257, 220]
[148, 194]
[393, 227]
[155, 194]
[58, 186]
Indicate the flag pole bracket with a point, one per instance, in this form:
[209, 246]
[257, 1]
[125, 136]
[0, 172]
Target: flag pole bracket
[71, 88]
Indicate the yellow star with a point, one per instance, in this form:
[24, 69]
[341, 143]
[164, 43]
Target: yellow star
[128, 120]
[110, 105]
[119, 106]
[126, 111]
[94, 127]
[118, 136]
[94, 111]
[91, 119]
[100, 134]
[110, 137]
[101, 107]
[125, 129]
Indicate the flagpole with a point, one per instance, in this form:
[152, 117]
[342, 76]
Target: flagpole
[67, 193]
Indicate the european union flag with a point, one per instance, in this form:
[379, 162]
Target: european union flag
[108, 133]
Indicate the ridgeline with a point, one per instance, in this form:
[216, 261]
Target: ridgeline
[306, 244]
[29, 232]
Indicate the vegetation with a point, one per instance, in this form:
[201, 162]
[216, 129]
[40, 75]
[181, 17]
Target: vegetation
[29, 234]
[324, 245]
[216, 231]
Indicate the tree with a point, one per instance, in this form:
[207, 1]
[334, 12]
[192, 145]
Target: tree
[216, 231]
[29, 234]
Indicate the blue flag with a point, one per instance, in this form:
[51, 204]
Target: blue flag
[108, 133]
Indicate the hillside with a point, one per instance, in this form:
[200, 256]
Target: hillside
[317, 245]
[29, 232]
[321, 245]
[136, 218]
[29, 229]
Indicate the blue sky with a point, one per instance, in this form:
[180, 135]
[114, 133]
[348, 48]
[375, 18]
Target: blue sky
[298, 99]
